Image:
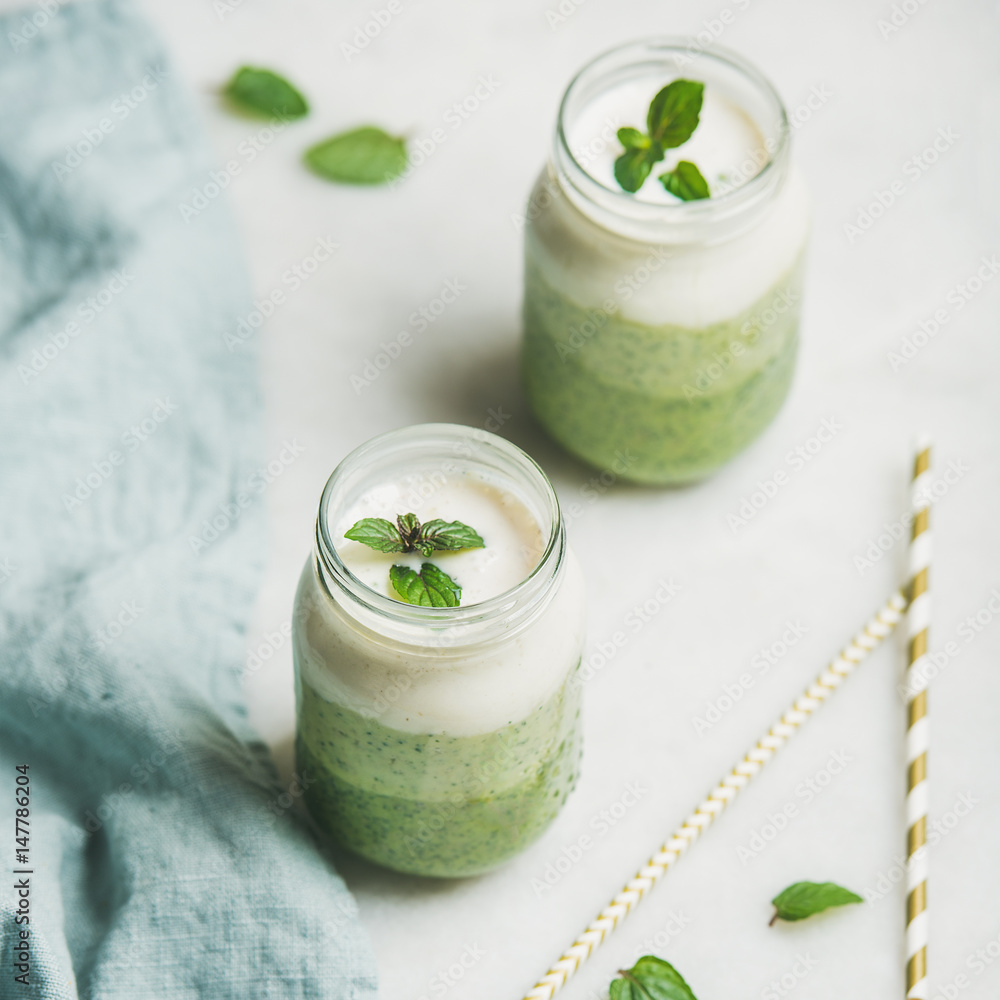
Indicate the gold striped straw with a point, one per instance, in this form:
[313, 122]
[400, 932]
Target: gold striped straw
[917, 733]
[723, 793]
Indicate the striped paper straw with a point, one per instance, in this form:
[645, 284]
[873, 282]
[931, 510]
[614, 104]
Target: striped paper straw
[723, 793]
[917, 733]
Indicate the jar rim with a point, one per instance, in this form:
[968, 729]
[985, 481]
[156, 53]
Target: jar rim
[738, 203]
[513, 603]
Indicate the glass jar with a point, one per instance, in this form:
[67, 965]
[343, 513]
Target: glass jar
[439, 741]
[659, 334]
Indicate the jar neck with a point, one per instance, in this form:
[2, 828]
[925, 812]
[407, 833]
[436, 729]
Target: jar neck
[440, 452]
[704, 221]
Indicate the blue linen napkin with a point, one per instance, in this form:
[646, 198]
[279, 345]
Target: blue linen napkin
[162, 858]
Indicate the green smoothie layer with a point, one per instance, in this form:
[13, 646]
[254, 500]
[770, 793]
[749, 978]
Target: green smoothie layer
[433, 804]
[670, 403]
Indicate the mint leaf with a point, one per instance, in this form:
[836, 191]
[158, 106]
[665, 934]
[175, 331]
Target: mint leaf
[366, 155]
[632, 138]
[673, 113]
[264, 93]
[633, 167]
[803, 899]
[685, 182]
[447, 536]
[377, 533]
[409, 530]
[651, 978]
[430, 588]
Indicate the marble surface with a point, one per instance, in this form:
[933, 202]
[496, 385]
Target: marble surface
[879, 97]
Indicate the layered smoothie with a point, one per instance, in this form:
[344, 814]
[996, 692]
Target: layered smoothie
[662, 329]
[438, 750]
[435, 803]
[678, 400]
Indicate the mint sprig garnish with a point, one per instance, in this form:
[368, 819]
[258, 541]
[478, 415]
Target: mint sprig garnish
[803, 899]
[409, 535]
[431, 587]
[651, 978]
[672, 118]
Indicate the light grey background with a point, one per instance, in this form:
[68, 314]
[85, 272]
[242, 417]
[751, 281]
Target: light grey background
[878, 101]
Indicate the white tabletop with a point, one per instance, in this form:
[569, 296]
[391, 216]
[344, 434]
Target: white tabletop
[877, 102]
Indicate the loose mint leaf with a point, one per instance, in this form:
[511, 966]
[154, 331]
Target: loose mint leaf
[265, 93]
[651, 978]
[803, 899]
[447, 536]
[632, 138]
[430, 588]
[673, 113]
[365, 155]
[685, 182]
[632, 168]
[377, 533]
